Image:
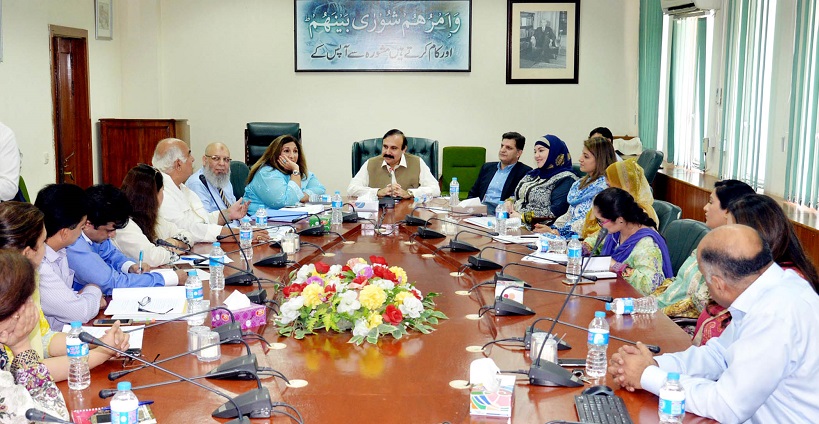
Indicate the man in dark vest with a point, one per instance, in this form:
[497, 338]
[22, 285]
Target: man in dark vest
[395, 173]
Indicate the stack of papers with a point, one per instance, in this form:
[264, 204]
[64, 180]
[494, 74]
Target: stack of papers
[166, 303]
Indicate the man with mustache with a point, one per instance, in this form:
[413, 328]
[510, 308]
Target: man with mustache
[395, 173]
[216, 169]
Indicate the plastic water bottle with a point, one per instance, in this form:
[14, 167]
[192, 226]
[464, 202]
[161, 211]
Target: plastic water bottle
[124, 405]
[574, 259]
[454, 191]
[246, 238]
[261, 217]
[672, 400]
[79, 375]
[193, 296]
[628, 305]
[500, 217]
[336, 204]
[598, 343]
[217, 268]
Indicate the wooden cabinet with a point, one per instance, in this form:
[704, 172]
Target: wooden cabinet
[128, 142]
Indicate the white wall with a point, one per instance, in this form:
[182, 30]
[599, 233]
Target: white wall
[25, 82]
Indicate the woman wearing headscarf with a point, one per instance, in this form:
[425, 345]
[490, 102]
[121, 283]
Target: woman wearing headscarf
[542, 192]
[629, 176]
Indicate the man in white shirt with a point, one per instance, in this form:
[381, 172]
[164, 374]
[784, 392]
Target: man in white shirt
[10, 165]
[181, 205]
[216, 169]
[764, 366]
[395, 173]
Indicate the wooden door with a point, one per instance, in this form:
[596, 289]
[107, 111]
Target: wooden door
[72, 117]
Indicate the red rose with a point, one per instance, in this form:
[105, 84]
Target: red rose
[328, 291]
[392, 315]
[378, 260]
[293, 289]
[322, 267]
[417, 293]
[345, 268]
[360, 279]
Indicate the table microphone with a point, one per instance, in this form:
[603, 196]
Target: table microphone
[414, 221]
[34, 414]
[115, 375]
[227, 332]
[349, 217]
[255, 403]
[651, 348]
[547, 373]
[461, 246]
[480, 264]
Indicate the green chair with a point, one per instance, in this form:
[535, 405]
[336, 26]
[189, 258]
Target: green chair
[238, 177]
[667, 212]
[650, 160]
[425, 148]
[682, 236]
[464, 163]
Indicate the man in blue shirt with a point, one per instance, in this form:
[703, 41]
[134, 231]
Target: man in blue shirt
[216, 169]
[93, 257]
[497, 180]
[764, 366]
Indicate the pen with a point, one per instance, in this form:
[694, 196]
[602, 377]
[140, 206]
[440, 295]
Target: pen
[140, 261]
[145, 402]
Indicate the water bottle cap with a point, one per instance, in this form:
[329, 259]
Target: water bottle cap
[599, 314]
[673, 376]
[454, 178]
[608, 307]
[216, 244]
[76, 324]
[246, 219]
[124, 385]
[192, 273]
[574, 237]
[338, 192]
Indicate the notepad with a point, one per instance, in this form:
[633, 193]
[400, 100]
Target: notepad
[125, 303]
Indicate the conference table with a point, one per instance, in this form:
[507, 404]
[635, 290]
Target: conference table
[396, 381]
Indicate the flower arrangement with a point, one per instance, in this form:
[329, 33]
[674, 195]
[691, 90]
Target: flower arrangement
[371, 299]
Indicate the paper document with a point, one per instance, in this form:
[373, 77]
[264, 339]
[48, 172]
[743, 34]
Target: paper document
[597, 266]
[159, 303]
[305, 209]
[487, 222]
[135, 342]
[526, 239]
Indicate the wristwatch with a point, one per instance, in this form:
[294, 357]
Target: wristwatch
[296, 173]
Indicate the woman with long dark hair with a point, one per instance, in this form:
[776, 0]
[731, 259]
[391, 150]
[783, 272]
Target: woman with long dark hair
[638, 252]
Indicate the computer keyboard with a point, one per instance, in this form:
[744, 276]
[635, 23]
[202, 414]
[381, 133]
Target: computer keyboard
[601, 409]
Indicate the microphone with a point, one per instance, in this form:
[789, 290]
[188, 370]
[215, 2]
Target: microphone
[480, 264]
[227, 332]
[34, 414]
[651, 348]
[255, 403]
[461, 246]
[221, 212]
[426, 233]
[546, 373]
[349, 217]
[415, 221]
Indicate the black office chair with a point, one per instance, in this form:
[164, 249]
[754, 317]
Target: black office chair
[425, 148]
[259, 135]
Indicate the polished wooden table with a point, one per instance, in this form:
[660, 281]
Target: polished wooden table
[397, 381]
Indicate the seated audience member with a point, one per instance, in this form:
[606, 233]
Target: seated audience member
[216, 169]
[629, 176]
[763, 214]
[605, 133]
[27, 236]
[597, 155]
[280, 177]
[63, 209]
[143, 186]
[497, 180]
[543, 191]
[24, 381]
[763, 368]
[93, 257]
[395, 173]
[638, 252]
[182, 206]
[10, 165]
[686, 295]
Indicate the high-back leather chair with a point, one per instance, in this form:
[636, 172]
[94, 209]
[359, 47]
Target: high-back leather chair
[650, 160]
[238, 177]
[425, 148]
[682, 236]
[666, 212]
[259, 135]
[464, 163]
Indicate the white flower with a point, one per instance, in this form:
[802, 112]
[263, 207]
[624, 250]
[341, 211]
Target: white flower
[305, 272]
[387, 285]
[358, 267]
[334, 270]
[411, 307]
[349, 302]
[333, 282]
[361, 328]
[289, 311]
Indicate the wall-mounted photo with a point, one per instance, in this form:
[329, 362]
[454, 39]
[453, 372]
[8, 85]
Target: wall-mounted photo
[374, 35]
[542, 42]
[104, 13]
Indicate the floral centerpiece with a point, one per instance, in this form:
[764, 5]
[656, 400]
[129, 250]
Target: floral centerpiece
[371, 299]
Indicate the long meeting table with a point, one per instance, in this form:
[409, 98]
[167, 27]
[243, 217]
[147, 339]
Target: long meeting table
[396, 381]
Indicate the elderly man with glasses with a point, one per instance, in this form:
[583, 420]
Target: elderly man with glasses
[216, 169]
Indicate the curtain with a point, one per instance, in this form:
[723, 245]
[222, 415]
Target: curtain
[651, 32]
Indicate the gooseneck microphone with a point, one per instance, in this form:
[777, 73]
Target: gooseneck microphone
[255, 403]
[227, 332]
[115, 375]
[456, 245]
[547, 373]
[651, 348]
[34, 414]
[505, 306]
[480, 264]
[349, 217]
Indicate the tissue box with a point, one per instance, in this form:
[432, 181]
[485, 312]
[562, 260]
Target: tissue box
[493, 404]
[252, 316]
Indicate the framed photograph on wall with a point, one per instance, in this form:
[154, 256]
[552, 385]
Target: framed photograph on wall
[104, 14]
[376, 35]
[542, 41]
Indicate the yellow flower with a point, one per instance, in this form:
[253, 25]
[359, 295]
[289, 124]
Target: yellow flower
[374, 320]
[371, 297]
[399, 298]
[312, 295]
[400, 273]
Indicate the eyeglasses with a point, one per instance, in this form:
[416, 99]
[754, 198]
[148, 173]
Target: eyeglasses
[145, 301]
[131, 362]
[216, 158]
[603, 222]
